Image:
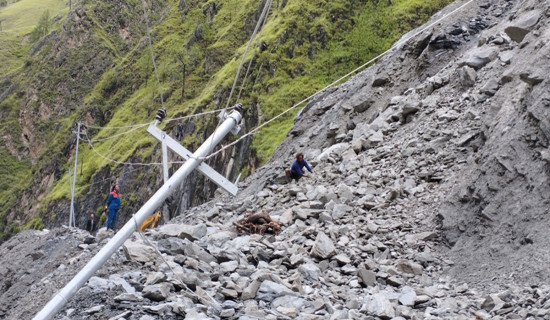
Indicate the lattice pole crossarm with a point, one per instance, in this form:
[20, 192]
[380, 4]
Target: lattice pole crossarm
[66, 293]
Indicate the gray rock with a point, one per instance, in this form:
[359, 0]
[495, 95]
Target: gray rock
[532, 78]
[289, 312]
[191, 232]
[518, 29]
[293, 190]
[229, 293]
[340, 211]
[94, 309]
[121, 283]
[290, 301]
[506, 56]
[227, 313]
[139, 251]
[310, 271]
[490, 87]
[37, 254]
[121, 315]
[378, 305]
[134, 297]
[479, 57]
[467, 76]
[345, 193]
[98, 283]
[413, 239]
[368, 277]
[229, 266]
[158, 292]
[195, 315]
[171, 246]
[251, 290]
[155, 277]
[342, 259]
[270, 290]
[395, 281]
[407, 296]
[323, 247]
[193, 250]
[409, 267]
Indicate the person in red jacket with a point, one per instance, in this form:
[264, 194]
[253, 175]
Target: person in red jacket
[113, 204]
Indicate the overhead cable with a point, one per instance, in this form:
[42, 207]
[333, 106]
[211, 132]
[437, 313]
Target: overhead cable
[255, 48]
[120, 134]
[258, 24]
[395, 46]
[152, 53]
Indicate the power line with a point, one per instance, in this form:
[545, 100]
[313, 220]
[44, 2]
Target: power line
[152, 53]
[140, 125]
[120, 134]
[258, 24]
[395, 46]
[89, 126]
[103, 180]
[252, 58]
[255, 130]
[116, 161]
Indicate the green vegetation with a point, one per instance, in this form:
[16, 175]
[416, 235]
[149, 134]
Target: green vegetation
[104, 74]
[18, 20]
[43, 27]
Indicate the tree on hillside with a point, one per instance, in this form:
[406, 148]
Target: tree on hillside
[43, 26]
[188, 59]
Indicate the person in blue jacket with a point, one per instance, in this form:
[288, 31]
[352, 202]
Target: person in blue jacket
[297, 170]
[113, 203]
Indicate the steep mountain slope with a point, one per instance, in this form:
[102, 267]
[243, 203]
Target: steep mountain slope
[94, 67]
[419, 207]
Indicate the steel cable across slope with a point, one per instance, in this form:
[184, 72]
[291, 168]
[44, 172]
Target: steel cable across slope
[256, 129]
[395, 46]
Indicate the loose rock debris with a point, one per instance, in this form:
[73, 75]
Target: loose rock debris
[258, 223]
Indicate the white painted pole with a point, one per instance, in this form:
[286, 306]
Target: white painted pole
[72, 222]
[63, 296]
[164, 158]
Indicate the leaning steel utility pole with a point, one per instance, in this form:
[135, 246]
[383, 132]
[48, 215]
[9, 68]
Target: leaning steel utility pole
[194, 161]
[72, 222]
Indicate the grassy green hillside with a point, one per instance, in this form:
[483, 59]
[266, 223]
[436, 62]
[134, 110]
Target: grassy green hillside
[96, 67]
[18, 20]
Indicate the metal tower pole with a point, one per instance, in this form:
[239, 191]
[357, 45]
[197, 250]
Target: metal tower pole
[59, 300]
[72, 222]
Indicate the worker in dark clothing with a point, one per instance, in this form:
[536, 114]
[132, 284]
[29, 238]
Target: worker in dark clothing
[297, 170]
[113, 204]
[90, 224]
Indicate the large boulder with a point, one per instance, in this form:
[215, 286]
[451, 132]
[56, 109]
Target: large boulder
[519, 28]
[191, 232]
[270, 290]
[323, 247]
[158, 292]
[479, 57]
[138, 251]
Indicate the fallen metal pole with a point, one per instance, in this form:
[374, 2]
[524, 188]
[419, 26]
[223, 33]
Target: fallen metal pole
[65, 294]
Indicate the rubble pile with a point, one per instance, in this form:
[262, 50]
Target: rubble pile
[407, 214]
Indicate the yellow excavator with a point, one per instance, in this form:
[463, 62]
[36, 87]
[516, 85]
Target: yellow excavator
[151, 221]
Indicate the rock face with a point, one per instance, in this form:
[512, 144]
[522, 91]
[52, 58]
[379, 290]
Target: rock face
[428, 201]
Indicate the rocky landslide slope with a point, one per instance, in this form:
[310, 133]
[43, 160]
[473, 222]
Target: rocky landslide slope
[427, 201]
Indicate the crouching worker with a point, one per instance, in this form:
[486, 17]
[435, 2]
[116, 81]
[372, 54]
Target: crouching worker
[297, 170]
